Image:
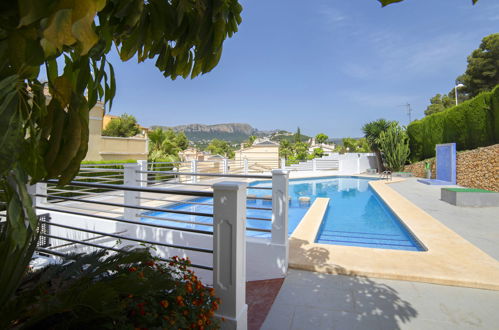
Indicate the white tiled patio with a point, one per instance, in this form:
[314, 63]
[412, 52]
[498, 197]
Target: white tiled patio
[321, 301]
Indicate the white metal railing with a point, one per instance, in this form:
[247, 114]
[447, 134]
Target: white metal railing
[350, 163]
[106, 213]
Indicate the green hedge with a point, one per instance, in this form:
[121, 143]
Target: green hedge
[472, 124]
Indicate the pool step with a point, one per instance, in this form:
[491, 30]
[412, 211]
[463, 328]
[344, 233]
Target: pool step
[364, 239]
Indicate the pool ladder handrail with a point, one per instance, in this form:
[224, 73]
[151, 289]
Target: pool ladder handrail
[386, 175]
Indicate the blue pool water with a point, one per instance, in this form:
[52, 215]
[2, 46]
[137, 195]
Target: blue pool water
[356, 216]
[295, 211]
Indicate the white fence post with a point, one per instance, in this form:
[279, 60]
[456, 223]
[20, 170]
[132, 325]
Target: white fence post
[314, 164]
[194, 169]
[131, 178]
[280, 204]
[229, 252]
[37, 189]
[225, 166]
[283, 163]
[142, 176]
[245, 164]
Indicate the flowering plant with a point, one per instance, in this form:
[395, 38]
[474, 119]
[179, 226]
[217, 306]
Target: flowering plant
[187, 304]
[120, 291]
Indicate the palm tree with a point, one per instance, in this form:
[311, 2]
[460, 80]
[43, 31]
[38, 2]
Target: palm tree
[162, 145]
[372, 132]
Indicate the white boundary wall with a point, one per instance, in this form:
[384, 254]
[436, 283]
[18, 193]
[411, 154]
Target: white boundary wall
[264, 260]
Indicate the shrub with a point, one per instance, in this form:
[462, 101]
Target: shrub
[395, 147]
[119, 291]
[473, 123]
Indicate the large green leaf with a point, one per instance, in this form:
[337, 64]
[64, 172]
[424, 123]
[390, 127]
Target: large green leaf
[58, 31]
[32, 10]
[388, 2]
[11, 132]
[83, 17]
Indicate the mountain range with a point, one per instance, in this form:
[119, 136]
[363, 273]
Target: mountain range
[233, 132]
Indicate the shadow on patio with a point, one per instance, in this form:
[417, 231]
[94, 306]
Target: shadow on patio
[327, 301]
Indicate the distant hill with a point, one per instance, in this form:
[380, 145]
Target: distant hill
[232, 132]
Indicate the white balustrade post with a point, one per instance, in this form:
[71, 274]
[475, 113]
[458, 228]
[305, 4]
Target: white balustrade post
[131, 178]
[280, 204]
[194, 169]
[314, 164]
[245, 163]
[229, 253]
[142, 176]
[39, 188]
[225, 166]
[358, 163]
[283, 162]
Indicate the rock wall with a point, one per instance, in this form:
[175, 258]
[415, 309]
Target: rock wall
[477, 168]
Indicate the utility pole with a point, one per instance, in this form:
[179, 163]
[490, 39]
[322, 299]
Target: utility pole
[409, 111]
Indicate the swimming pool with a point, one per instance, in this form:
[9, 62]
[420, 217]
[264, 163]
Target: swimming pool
[296, 212]
[356, 215]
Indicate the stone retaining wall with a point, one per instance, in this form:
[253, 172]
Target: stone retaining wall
[477, 168]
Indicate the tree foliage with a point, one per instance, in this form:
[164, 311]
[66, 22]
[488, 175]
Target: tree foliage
[221, 147]
[46, 139]
[164, 145]
[372, 131]
[321, 138]
[389, 2]
[285, 149]
[439, 103]
[482, 72]
[394, 143]
[356, 145]
[123, 126]
[248, 143]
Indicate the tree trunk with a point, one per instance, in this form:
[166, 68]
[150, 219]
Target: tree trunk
[379, 161]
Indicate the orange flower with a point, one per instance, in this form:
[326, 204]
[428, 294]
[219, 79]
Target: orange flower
[186, 312]
[188, 287]
[132, 269]
[180, 298]
[164, 303]
[212, 292]
[150, 263]
[200, 322]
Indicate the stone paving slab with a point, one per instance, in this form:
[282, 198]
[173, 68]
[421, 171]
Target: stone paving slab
[310, 300]
[480, 226]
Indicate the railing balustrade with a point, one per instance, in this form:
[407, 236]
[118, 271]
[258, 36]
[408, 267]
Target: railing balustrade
[140, 210]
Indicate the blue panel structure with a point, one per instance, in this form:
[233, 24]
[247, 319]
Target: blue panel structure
[446, 165]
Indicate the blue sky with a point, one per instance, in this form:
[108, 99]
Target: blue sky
[324, 65]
